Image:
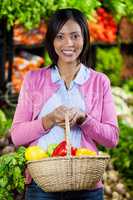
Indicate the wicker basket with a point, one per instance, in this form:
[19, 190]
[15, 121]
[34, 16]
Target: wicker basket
[68, 173]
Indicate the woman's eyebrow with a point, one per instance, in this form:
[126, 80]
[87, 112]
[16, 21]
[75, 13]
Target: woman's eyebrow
[74, 32]
[70, 32]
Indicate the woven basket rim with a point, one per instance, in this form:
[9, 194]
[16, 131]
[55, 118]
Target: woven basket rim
[105, 156]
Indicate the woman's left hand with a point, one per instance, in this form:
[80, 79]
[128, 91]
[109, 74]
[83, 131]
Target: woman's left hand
[76, 116]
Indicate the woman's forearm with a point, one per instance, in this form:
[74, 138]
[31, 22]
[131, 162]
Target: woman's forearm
[105, 134]
[25, 132]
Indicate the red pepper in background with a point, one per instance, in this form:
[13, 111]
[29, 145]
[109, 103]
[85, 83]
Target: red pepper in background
[104, 28]
[60, 150]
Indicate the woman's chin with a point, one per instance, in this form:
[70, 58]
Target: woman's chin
[68, 59]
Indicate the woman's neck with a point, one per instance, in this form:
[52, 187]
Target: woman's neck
[68, 71]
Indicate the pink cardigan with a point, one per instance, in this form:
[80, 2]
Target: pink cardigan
[100, 127]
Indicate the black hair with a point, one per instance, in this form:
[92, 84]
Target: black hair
[58, 19]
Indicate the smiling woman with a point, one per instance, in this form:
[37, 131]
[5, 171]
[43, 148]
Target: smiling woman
[69, 85]
[69, 28]
[68, 43]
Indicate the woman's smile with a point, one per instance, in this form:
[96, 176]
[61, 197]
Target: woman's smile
[68, 42]
[68, 52]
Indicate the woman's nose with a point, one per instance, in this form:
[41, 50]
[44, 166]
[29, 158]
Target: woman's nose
[68, 41]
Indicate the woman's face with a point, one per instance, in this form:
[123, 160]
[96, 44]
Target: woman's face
[68, 42]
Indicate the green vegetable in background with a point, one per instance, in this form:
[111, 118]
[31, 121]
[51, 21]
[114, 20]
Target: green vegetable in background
[29, 12]
[47, 59]
[110, 62]
[86, 6]
[5, 123]
[128, 85]
[2, 116]
[122, 155]
[11, 173]
[120, 8]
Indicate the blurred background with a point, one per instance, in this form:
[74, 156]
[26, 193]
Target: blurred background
[23, 25]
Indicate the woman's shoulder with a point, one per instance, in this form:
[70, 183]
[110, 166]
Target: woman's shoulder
[38, 72]
[99, 75]
[33, 75]
[36, 77]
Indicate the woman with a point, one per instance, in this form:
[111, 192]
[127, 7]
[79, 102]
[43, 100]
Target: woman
[69, 84]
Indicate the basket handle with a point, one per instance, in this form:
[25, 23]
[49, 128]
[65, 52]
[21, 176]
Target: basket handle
[67, 134]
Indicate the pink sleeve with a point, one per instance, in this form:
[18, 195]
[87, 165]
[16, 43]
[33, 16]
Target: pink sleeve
[25, 130]
[106, 132]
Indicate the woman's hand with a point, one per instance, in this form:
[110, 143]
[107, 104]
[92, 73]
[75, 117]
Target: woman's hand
[76, 116]
[57, 117]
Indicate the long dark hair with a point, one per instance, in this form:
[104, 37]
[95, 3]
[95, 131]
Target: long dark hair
[58, 19]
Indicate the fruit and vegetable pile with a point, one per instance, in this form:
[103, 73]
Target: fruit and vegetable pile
[31, 37]
[23, 63]
[54, 150]
[103, 28]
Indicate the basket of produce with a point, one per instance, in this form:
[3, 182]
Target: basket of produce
[68, 168]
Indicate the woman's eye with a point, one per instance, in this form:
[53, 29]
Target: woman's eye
[60, 37]
[75, 36]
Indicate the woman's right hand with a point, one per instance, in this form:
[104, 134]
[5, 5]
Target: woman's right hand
[56, 117]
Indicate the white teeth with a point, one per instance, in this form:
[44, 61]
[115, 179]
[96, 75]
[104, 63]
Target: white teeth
[67, 51]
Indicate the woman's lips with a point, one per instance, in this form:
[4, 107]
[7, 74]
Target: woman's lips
[68, 52]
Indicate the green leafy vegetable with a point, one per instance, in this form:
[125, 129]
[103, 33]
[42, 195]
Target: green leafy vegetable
[120, 8]
[5, 123]
[122, 155]
[110, 61]
[29, 12]
[128, 85]
[11, 173]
